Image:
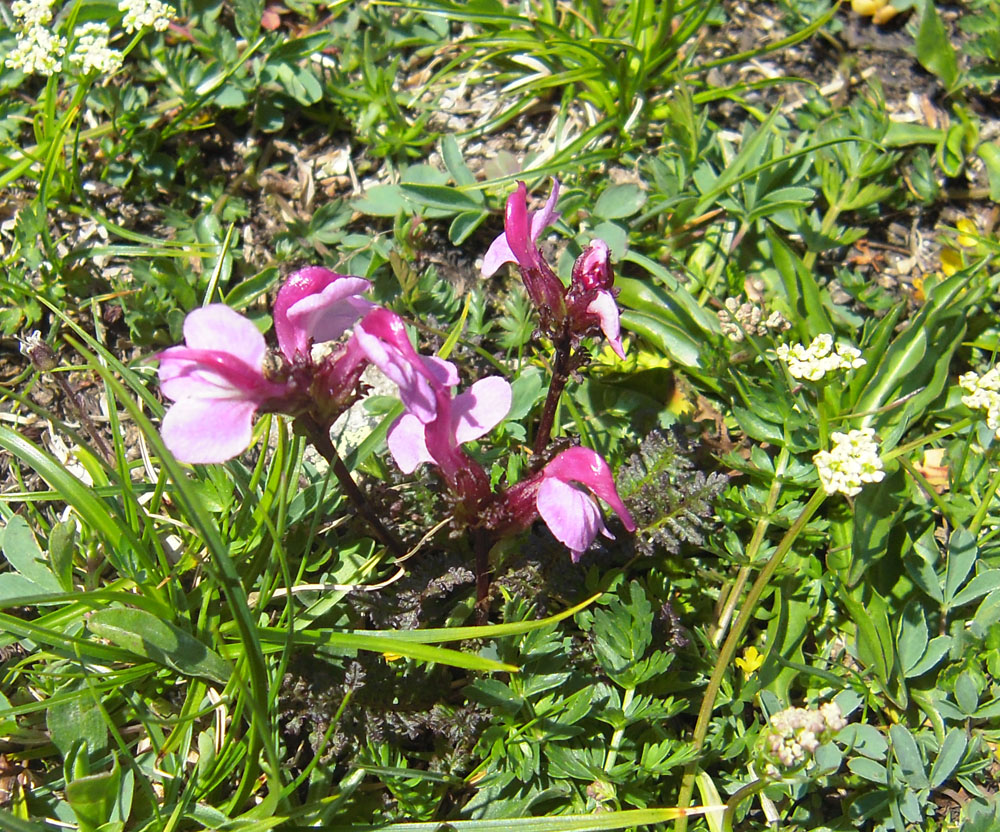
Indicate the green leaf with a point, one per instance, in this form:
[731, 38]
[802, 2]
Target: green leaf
[966, 694]
[76, 720]
[243, 294]
[948, 758]
[92, 798]
[22, 552]
[962, 554]
[911, 644]
[868, 769]
[981, 584]
[911, 766]
[62, 544]
[619, 201]
[442, 197]
[452, 155]
[989, 152]
[937, 649]
[464, 224]
[382, 201]
[875, 641]
[670, 339]
[150, 637]
[248, 14]
[874, 519]
[934, 49]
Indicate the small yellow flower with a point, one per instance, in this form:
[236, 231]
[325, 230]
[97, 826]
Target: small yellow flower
[751, 661]
[969, 232]
[391, 657]
[951, 261]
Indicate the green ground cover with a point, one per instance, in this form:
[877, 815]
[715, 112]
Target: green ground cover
[223, 619]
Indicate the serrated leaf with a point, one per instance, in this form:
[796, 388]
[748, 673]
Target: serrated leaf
[152, 638]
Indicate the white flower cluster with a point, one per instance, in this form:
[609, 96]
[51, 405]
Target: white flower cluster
[741, 319]
[92, 50]
[853, 461]
[984, 394]
[793, 735]
[142, 13]
[38, 51]
[819, 358]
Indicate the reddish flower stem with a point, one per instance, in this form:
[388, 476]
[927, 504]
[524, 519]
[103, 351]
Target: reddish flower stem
[560, 375]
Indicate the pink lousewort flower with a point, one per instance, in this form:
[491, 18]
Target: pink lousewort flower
[591, 293]
[522, 228]
[217, 383]
[589, 302]
[315, 305]
[381, 337]
[571, 513]
[468, 416]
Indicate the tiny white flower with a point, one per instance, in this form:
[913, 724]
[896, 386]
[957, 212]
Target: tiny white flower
[819, 358]
[32, 12]
[92, 51]
[852, 462]
[983, 394]
[142, 13]
[38, 52]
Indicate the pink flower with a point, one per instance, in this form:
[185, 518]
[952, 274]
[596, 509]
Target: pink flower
[468, 416]
[382, 338]
[217, 382]
[316, 305]
[522, 230]
[571, 513]
[591, 293]
[588, 303]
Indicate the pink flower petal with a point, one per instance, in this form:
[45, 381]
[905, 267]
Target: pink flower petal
[587, 467]
[606, 309]
[316, 304]
[208, 430]
[496, 255]
[217, 327]
[407, 444]
[481, 408]
[540, 220]
[521, 230]
[572, 515]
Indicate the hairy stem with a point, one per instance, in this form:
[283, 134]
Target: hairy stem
[320, 438]
[560, 375]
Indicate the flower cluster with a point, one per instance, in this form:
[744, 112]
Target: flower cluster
[41, 50]
[853, 461]
[142, 13]
[583, 308]
[819, 358]
[983, 394]
[93, 52]
[741, 319]
[793, 735]
[224, 373]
